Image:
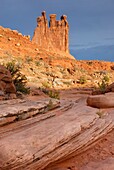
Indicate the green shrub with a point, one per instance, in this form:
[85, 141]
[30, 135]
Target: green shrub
[67, 83]
[28, 59]
[19, 79]
[53, 94]
[45, 84]
[104, 83]
[82, 80]
[37, 63]
[106, 79]
[50, 105]
[99, 113]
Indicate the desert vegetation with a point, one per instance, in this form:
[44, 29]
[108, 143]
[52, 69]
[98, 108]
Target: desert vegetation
[103, 84]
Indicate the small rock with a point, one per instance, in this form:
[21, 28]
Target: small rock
[18, 44]
[27, 36]
[12, 96]
[20, 34]
[36, 49]
[15, 31]
[9, 39]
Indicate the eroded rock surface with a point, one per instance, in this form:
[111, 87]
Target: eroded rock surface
[16, 110]
[54, 37]
[39, 141]
[7, 88]
[100, 156]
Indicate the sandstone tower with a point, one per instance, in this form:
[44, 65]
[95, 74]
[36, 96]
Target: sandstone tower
[52, 36]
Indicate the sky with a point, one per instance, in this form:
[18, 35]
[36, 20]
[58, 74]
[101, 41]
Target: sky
[91, 21]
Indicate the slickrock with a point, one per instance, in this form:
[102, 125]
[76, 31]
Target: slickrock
[24, 109]
[37, 142]
[100, 156]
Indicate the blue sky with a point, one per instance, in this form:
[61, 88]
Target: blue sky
[91, 21]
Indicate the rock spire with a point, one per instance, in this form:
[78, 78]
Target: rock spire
[53, 35]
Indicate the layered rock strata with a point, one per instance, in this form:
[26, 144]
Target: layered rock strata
[54, 36]
[39, 141]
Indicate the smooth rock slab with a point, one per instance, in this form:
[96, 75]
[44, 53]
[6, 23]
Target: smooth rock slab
[34, 143]
[24, 109]
[101, 101]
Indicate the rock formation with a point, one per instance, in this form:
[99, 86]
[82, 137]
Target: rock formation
[7, 88]
[110, 88]
[101, 101]
[36, 140]
[54, 36]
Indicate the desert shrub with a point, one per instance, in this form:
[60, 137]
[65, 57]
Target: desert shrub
[54, 94]
[50, 105]
[45, 84]
[28, 59]
[51, 93]
[106, 79]
[37, 63]
[82, 80]
[67, 83]
[99, 113]
[19, 79]
[104, 83]
[82, 70]
[89, 63]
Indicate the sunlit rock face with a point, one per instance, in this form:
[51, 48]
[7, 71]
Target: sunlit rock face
[53, 37]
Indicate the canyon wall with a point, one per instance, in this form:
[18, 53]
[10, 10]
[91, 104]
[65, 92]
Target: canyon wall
[53, 35]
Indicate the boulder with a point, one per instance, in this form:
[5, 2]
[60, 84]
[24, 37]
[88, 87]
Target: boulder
[7, 87]
[110, 88]
[101, 101]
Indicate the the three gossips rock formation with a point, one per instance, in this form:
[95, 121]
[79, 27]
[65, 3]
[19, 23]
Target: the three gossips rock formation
[54, 36]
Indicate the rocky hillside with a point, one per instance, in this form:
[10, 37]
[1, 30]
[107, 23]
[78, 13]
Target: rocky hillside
[55, 130]
[45, 68]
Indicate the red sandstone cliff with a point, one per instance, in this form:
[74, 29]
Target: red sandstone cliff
[54, 36]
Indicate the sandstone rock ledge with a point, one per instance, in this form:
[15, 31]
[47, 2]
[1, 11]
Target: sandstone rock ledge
[16, 110]
[36, 142]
